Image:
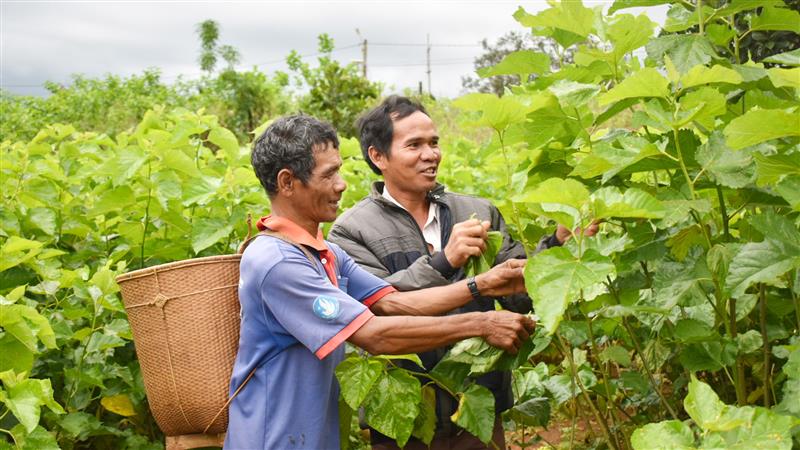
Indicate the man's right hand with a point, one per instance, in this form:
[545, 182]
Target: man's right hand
[507, 330]
[468, 238]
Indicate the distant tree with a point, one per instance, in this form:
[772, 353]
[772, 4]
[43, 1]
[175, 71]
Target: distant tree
[335, 92]
[510, 42]
[208, 32]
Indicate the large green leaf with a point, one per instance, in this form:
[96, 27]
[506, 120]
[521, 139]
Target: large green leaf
[711, 102]
[475, 412]
[393, 404]
[737, 6]
[208, 232]
[522, 63]
[609, 202]
[728, 168]
[608, 160]
[759, 125]
[785, 77]
[622, 4]
[760, 262]
[223, 138]
[646, 82]
[573, 95]
[791, 58]
[24, 397]
[27, 326]
[685, 50]
[627, 33]
[772, 169]
[534, 412]
[558, 199]
[356, 377]
[495, 112]
[705, 408]
[554, 278]
[776, 19]
[425, 423]
[776, 227]
[570, 16]
[699, 75]
[672, 434]
[476, 265]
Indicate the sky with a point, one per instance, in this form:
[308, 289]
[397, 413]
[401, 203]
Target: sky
[50, 40]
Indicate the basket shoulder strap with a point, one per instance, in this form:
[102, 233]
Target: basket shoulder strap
[282, 237]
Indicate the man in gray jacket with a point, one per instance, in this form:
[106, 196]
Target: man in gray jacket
[414, 234]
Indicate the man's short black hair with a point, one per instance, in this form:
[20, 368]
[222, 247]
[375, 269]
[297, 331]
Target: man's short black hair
[289, 143]
[376, 128]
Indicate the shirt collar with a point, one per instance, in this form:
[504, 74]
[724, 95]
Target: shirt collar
[292, 231]
[433, 211]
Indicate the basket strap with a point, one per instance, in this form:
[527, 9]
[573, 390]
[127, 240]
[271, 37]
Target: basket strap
[235, 393]
[282, 237]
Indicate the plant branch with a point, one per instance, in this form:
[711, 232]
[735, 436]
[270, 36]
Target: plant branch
[762, 302]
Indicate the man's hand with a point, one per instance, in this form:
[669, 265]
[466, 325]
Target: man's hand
[507, 330]
[563, 234]
[503, 279]
[468, 238]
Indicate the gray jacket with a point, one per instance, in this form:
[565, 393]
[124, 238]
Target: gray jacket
[385, 240]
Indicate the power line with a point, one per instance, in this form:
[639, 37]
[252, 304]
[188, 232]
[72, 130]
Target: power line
[386, 44]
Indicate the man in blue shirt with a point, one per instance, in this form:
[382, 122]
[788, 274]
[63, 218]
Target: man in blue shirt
[298, 311]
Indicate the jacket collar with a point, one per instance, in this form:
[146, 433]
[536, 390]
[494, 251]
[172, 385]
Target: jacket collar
[434, 195]
[292, 231]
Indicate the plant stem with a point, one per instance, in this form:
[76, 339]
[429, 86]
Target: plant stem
[762, 300]
[700, 16]
[509, 188]
[647, 369]
[794, 300]
[682, 163]
[604, 374]
[739, 382]
[725, 219]
[577, 379]
[146, 214]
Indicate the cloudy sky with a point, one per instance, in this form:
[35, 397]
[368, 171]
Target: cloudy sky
[49, 40]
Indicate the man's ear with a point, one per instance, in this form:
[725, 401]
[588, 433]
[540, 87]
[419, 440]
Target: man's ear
[377, 158]
[285, 181]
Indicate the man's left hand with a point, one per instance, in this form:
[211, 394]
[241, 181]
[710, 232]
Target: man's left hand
[503, 279]
[563, 234]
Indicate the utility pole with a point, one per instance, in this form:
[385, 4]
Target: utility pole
[363, 53]
[364, 58]
[429, 63]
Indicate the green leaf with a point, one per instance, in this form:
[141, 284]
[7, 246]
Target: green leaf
[24, 397]
[475, 412]
[356, 377]
[646, 82]
[224, 139]
[791, 58]
[670, 434]
[759, 125]
[425, 423]
[608, 160]
[476, 265]
[749, 342]
[495, 112]
[554, 278]
[690, 330]
[685, 50]
[393, 404]
[700, 75]
[785, 77]
[558, 199]
[708, 356]
[534, 412]
[737, 6]
[773, 169]
[17, 250]
[410, 357]
[760, 262]
[43, 219]
[14, 355]
[38, 439]
[208, 232]
[26, 325]
[609, 202]
[573, 95]
[617, 354]
[570, 16]
[622, 4]
[117, 200]
[522, 63]
[177, 160]
[776, 227]
[733, 169]
[627, 33]
[705, 408]
[782, 19]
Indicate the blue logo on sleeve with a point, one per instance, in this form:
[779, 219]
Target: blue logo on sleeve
[326, 307]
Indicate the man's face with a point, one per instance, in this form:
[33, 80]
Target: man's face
[319, 198]
[414, 155]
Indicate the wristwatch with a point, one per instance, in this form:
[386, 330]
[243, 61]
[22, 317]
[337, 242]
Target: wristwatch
[473, 288]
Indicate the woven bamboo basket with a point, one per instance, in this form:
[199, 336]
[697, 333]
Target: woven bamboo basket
[185, 321]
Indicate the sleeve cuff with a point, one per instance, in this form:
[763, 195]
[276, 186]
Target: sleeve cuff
[379, 294]
[344, 334]
[442, 265]
[552, 241]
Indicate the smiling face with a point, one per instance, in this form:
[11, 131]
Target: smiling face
[413, 160]
[318, 199]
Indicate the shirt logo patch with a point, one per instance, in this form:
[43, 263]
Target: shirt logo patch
[326, 307]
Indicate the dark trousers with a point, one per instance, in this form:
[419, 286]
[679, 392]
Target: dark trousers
[461, 441]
